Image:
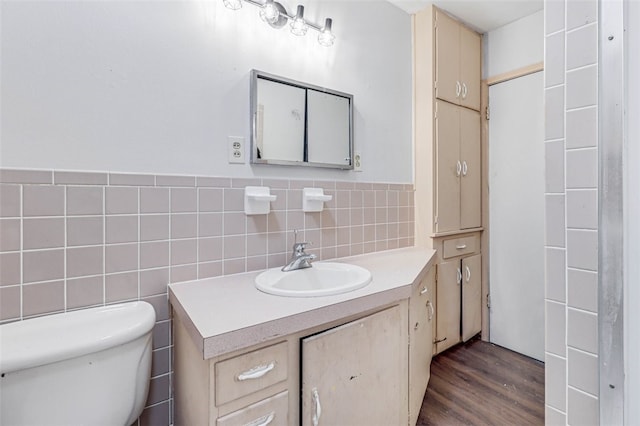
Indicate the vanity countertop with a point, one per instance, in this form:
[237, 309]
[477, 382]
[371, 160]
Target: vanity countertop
[225, 314]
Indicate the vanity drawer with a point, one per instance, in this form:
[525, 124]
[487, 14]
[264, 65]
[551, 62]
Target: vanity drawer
[272, 411]
[250, 372]
[460, 246]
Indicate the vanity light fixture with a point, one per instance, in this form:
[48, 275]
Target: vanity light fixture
[298, 26]
[274, 13]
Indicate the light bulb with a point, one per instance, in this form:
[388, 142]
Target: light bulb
[326, 37]
[298, 26]
[269, 13]
[233, 4]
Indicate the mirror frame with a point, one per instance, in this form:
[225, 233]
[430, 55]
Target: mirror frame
[255, 75]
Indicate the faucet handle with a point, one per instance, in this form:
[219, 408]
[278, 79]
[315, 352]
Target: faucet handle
[299, 247]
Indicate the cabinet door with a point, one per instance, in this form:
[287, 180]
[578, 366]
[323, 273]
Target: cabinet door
[356, 374]
[420, 343]
[470, 183]
[470, 64]
[447, 68]
[448, 313]
[448, 167]
[471, 297]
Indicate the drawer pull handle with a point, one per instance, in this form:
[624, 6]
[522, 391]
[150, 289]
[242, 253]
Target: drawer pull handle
[317, 412]
[424, 290]
[256, 372]
[461, 246]
[431, 310]
[262, 421]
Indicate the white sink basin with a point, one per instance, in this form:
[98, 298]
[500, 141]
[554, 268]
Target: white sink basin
[322, 279]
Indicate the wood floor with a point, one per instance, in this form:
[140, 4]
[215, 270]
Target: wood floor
[478, 383]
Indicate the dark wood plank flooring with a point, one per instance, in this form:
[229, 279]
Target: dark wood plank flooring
[478, 383]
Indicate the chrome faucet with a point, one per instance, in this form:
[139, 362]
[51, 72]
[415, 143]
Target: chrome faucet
[299, 258]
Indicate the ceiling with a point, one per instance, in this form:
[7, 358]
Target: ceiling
[483, 15]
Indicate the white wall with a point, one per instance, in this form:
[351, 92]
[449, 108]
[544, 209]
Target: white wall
[632, 268]
[571, 217]
[514, 45]
[140, 86]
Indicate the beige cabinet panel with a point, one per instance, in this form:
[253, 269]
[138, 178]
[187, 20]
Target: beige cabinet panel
[448, 167]
[457, 62]
[421, 319]
[470, 68]
[353, 374]
[471, 296]
[250, 372]
[470, 183]
[458, 174]
[447, 48]
[448, 304]
[460, 246]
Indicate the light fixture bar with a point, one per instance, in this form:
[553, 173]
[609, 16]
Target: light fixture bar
[326, 36]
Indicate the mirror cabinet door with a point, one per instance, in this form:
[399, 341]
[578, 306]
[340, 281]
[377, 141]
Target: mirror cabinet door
[328, 128]
[280, 121]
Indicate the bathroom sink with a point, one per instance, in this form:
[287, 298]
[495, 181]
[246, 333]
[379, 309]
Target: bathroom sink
[322, 279]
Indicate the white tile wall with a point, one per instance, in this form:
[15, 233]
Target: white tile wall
[582, 127]
[582, 408]
[571, 156]
[580, 51]
[582, 209]
[583, 371]
[554, 69]
[554, 166]
[582, 289]
[555, 273]
[582, 87]
[554, 220]
[554, 117]
[582, 249]
[555, 381]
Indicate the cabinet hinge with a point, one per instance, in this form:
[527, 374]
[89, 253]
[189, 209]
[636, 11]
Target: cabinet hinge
[488, 301]
[487, 112]
[435, 220]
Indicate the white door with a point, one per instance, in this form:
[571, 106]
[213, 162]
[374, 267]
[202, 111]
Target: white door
[516, 215]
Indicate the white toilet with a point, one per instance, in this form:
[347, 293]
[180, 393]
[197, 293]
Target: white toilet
[87, 367]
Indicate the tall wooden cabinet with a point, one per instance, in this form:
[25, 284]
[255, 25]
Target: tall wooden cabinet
[448, 169]
[457, 64]
[458, 191]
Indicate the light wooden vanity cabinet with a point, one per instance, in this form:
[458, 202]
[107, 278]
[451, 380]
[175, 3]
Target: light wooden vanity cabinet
[371, 369]
[421, 331]
[354, 374]
[459, 293]
[457, 62]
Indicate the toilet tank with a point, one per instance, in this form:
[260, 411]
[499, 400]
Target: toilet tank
[90, 366]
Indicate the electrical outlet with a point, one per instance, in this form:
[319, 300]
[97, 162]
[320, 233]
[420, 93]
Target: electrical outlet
[357, 162]
[235, 149]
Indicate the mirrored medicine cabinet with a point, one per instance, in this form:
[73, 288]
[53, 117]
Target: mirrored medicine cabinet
[294, 123]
